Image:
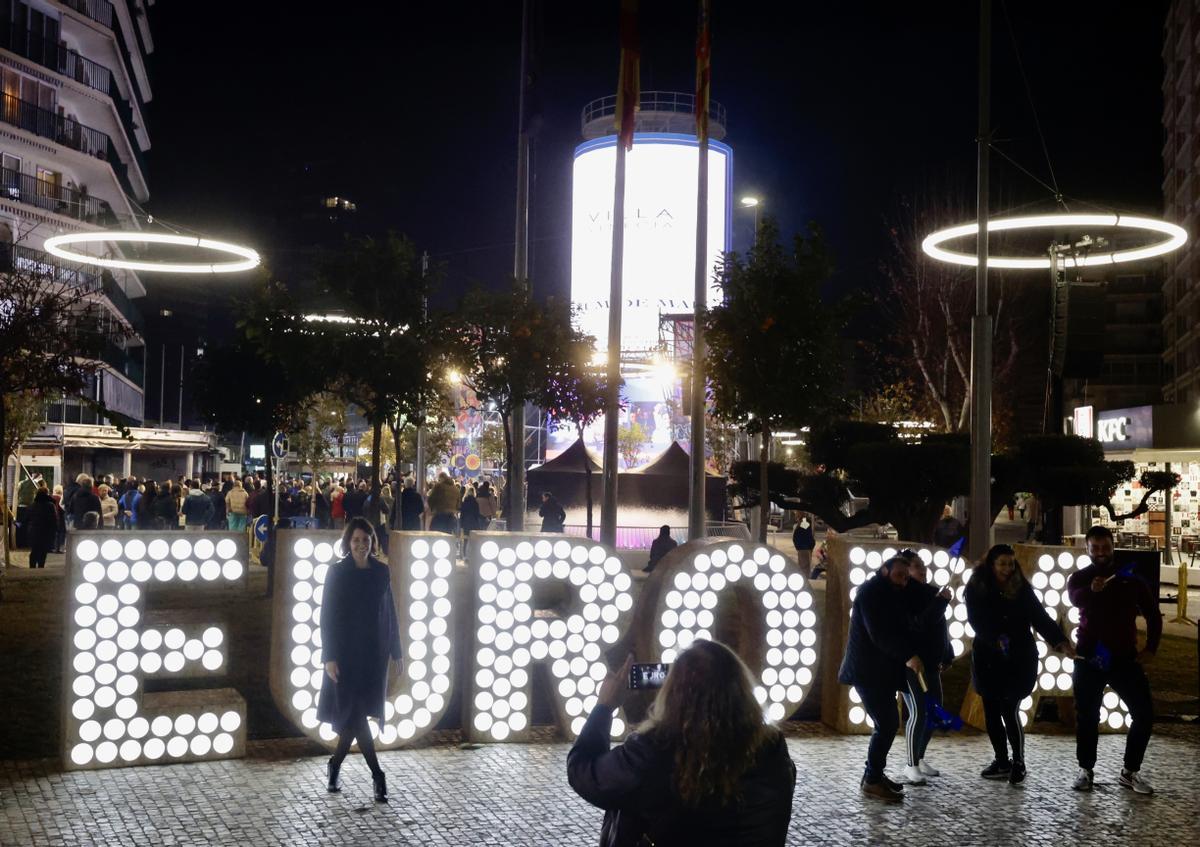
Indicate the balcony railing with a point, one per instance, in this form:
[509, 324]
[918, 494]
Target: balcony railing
[124, 362]
[51, 54]
[101, 11]
[62, 130]
[58, 58]
[25, 188]
[123, 304]
[19, 258]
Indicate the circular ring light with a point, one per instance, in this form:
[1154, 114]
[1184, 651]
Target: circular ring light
[246, 258]
[1176, 237]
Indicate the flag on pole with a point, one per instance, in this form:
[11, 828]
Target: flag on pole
[629, 84]
[703, 71]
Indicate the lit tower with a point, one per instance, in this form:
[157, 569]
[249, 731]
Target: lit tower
[660, 217]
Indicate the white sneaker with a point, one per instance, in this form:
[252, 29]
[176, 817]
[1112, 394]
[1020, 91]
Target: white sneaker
[928, 769]
[913, 775]
[1083, 782]
[1133, 779]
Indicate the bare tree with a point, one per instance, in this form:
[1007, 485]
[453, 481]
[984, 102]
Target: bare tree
[54, 336]
[931, 304]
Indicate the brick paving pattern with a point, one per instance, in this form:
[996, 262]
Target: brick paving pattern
[518, 795]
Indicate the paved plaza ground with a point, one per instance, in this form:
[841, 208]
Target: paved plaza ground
[518, 795]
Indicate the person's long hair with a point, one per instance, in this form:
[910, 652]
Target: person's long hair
[984, 573]
[707, 712]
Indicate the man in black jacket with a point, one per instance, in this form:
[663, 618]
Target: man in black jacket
[878, 650]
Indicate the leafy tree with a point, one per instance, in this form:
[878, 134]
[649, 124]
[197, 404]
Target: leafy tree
[577, 393]
[386, 345]
[630, 440]
[23, 415]
[491, 444]
[721, 437]
[316, 431]
[507, 347]
[1067, 470]
[772, 347]
[53, 339]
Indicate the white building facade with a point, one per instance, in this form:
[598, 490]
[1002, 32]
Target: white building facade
[74, 89]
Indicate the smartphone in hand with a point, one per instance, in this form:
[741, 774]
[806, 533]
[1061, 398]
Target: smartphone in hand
[648, 675]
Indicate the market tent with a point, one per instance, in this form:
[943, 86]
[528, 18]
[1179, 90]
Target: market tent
[662, 483]
[565, 477]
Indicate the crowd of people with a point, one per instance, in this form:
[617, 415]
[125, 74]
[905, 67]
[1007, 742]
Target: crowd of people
[898, 642]
[229, 502]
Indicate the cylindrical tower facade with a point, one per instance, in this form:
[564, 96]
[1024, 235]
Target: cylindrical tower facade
[660, 216]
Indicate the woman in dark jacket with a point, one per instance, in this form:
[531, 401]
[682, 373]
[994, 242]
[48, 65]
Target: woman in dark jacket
[359, 633]
[1003, 611]
[43, 528]
[145, 507]
[926, 608]
[468, 513]
[704, 769]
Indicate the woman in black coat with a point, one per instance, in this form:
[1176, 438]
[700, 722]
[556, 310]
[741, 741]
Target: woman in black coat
[704, 769]
[1004, 611]
[43, 528]
[359, 633]
[144, 518]
[468, 513]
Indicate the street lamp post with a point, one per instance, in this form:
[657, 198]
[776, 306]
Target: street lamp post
[750, 202]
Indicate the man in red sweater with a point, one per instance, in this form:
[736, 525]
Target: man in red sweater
[1109, 599]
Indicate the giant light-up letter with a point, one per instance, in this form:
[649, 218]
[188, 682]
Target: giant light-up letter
[570, 641]
[776, 635]
[109, 652]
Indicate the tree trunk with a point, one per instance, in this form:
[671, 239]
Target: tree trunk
[508, 451]
[399, 488]
[587, 473]
[764, 502]
[4, 482]
[376, 446]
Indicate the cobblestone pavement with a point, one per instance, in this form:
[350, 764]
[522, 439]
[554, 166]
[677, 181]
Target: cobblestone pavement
[518, 795]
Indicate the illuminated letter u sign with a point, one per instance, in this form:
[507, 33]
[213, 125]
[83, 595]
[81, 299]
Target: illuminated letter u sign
[423, 580]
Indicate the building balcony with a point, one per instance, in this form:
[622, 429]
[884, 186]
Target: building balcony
[101, 11]
[56, 57]
[64, 131]
[16, 257]
[52, 197]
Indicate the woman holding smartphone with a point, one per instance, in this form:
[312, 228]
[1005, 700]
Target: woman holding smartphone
[704, 768]
[359, 633]
[1004, 611]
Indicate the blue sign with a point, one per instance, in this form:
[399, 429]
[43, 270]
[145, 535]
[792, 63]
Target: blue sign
[279, 445]
[262, 524]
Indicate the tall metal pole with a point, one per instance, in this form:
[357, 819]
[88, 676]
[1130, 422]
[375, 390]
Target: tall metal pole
[612, 403]
[696, 467]
[419, 460]
[981, 323]
[516, 474]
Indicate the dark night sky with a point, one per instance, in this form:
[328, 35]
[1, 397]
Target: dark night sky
[833, 112]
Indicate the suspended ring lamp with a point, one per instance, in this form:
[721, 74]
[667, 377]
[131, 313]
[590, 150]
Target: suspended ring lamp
[246, 258]
[1176, 237]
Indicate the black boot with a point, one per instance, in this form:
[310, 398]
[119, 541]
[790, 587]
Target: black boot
[380, 787]
[335, 782]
